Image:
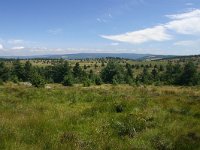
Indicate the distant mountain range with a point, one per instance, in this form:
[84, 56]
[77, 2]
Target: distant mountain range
[132, 56]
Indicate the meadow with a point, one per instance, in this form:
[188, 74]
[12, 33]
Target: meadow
[119, 117]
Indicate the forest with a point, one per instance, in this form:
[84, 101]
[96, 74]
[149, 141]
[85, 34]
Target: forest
[111, 72]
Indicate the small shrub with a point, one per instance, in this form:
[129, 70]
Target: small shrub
[114, 82]
[87, 83]
[37, 81]
[129, 126]
[98, 81]
[14, 79]
[119, 108]
[68, 81]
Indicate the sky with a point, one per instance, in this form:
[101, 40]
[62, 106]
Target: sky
[40, 27]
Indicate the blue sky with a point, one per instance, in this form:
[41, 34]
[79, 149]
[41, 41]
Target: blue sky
[35, 27]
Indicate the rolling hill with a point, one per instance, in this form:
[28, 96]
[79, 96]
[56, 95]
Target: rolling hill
[132, 56]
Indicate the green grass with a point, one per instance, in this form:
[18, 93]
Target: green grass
[99, 117]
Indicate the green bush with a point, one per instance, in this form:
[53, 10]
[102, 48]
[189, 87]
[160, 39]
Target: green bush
[113, 71]
[37, 81]
[98, 81]
[129, 126]
[86, 83]
[14, 79]
[68, 80]
[119, 108]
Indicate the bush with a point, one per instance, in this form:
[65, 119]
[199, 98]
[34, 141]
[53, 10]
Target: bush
[129, 126]
[68, 80]
[114, 82]
[119, 108]
[37, 81]
[14, 79]
[87, 83]
[98, 81]
[113, 71]
[129, 80]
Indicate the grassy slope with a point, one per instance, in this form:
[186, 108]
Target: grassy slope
[105, 117]
[91, 63]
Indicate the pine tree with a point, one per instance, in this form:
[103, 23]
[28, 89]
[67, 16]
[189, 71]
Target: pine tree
[154, 73]
[129, 74]
[161, 68]
[37, 80]
[98, 80]
[189, 75]
[4, 72]
[145, 76]
[68, 80]
[18, 70]
[113, 72]
[28, 70]
[79, 73]
[60, 71]
[129, 70]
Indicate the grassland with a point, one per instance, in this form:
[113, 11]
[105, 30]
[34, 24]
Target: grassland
[99, 117]
[96, 64]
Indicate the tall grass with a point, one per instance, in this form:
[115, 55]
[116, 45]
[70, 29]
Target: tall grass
[99, 117]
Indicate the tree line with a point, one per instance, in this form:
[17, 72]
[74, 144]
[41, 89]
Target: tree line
[112, 73]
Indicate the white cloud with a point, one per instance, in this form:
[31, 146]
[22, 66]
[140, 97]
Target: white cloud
[55, 31]
[157, 33]
[193, 13]
[18, 48]
[185, 23]
[1, 47]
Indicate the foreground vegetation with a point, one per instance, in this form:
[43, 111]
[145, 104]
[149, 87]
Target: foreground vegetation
[99, 117]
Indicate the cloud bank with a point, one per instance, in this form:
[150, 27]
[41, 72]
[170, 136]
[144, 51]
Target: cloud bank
[1, 47]
[157, 33]
[183, 23]
[18, 48]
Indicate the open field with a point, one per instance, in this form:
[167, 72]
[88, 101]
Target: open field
[99, 117]
[100, 75]
[96, 65]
